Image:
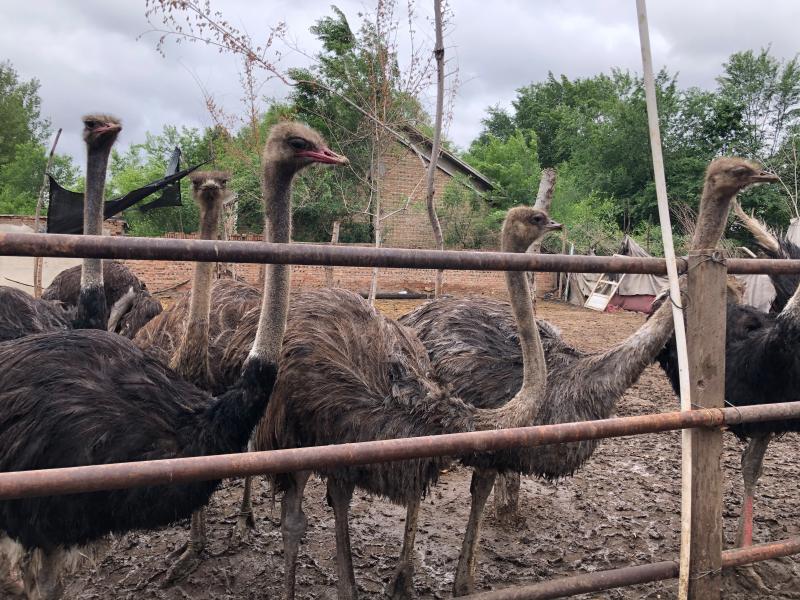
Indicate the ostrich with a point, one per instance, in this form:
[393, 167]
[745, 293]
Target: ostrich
[761, 366]
[187, 350]
[473, 346]
[21, 315]
[775, 247]
[130, 304]
[99, 132]
[349, 374]
[102, 400]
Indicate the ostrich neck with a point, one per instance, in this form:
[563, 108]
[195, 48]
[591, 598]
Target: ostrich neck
[524, 406]
[92, 310]
[191, 359]
[277, 190]
[713, 217]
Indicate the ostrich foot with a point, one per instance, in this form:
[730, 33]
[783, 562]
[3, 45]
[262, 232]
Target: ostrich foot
[751, 580]
[240, 534]
[190, 557]
[401, 587]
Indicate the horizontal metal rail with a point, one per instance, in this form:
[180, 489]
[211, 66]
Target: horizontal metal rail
[26, 484]
[80, 246]
[606, 580]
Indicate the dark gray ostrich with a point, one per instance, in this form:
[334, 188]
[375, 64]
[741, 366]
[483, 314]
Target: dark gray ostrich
[349, 374]
[473, 346]
[102, 400]
[761, 366]
[99, 132]
[130, 305]
[21, 315]
[774, 247]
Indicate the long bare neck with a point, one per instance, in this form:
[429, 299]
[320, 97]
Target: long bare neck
[277, 192]
[523, 407]
[191, 358]
[92, 307]
[713, 217]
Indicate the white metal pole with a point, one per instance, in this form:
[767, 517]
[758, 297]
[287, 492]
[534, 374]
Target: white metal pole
[674, 292]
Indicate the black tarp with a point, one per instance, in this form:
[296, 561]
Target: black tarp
[65, 211]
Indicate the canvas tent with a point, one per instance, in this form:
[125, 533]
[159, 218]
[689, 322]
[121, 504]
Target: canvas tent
[636, 291]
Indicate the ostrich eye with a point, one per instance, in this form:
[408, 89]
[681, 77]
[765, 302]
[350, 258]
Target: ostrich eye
[90, 124]
[740, 171]
[299, 143]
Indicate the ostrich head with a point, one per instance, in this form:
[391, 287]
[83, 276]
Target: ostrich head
[731, 175]
[292, 146]
[725, 177]
[209, 186]
[525, 225]
[100, 131]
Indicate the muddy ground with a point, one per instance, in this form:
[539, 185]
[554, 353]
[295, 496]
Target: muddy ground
[622, 508]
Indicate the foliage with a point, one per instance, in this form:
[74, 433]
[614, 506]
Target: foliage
[467, 219]
[23, 156]
[511, 163]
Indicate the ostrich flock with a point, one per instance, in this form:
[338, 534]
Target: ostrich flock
[95, 372]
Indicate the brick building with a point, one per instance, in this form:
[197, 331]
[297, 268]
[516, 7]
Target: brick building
[402, 188]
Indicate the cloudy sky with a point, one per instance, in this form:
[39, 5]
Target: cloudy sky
[96, 55]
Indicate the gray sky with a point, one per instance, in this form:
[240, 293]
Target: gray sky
[91, 55]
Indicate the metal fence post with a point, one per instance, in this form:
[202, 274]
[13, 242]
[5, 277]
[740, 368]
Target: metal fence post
[705, 325]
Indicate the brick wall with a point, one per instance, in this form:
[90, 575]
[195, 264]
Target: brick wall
[403, 188]
[110, 226]
[175, 276]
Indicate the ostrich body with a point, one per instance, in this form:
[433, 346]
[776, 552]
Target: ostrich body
[474, 349]
[130, 304]
[21, 315]
[349, 374]
[103, 400]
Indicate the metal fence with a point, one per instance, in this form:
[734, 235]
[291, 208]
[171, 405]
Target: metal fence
[706, 277]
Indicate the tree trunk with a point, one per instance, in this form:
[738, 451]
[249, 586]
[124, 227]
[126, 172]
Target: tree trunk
[334, 241]
[438, 53]
[373, 285]
[544, 199]
[38, 262]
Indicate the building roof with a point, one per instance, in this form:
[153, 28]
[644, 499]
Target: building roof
[448, 162]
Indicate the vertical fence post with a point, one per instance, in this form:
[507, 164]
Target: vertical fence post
[705, 322]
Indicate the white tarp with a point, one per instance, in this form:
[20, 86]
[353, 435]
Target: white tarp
[17, 271]
[758, 291]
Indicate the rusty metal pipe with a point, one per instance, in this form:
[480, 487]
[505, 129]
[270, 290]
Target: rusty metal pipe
[606, 580]
[26, 484]
[80, 246]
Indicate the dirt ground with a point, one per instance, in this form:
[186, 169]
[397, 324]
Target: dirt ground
[621, 509]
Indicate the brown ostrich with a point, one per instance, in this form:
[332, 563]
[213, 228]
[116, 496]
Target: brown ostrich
[129, 302]
[473, 346]
[349, 374]
[186, 348]
[80, 411]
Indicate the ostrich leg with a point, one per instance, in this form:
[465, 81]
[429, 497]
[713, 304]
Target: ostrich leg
[752, 467]
[480, 488]
[244, 521]
[293, 526]
[190, 553]
[402, 584]
[42, 574]
[340, 494]
[506, 498]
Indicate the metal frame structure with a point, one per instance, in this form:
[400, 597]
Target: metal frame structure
[26, 484]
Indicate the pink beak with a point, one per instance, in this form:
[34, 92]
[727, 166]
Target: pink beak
[324, 155]
[108, 128]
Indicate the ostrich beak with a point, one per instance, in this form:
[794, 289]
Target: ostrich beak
[109, 128]
[764, 177]
[553, 226]
[325, 155]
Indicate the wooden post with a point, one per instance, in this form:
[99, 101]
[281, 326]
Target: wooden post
[38, 261]
[334, 241]
[705, 321]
